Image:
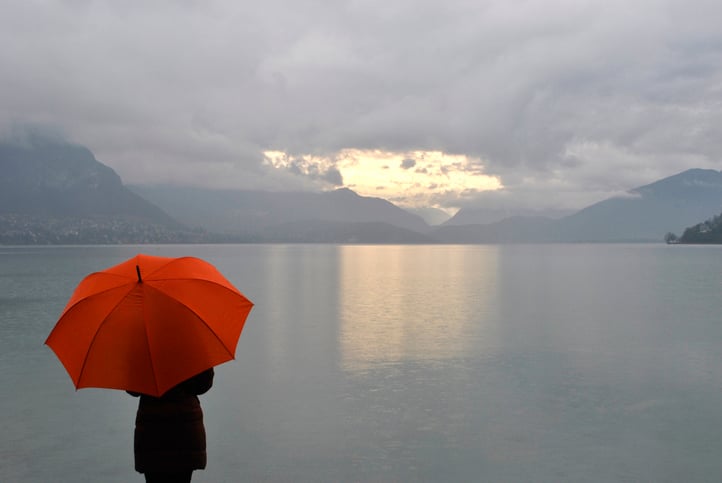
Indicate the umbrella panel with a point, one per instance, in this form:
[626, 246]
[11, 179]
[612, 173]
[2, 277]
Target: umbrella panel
[222, 309]
[79, 325]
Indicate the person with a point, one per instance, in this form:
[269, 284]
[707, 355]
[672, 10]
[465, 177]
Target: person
[170, 438]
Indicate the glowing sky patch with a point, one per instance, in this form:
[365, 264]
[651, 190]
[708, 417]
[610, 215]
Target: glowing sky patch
[414, 178]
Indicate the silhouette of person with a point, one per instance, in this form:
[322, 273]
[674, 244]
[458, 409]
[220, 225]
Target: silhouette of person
[170, 438]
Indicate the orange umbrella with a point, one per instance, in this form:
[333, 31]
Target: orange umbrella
[149, 323]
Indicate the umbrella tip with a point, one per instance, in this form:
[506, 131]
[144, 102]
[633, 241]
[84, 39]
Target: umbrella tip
[137, 270]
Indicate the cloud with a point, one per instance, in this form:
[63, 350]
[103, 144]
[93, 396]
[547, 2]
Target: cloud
[408, 163]
[564, 100]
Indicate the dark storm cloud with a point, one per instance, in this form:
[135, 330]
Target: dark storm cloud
[561, 99]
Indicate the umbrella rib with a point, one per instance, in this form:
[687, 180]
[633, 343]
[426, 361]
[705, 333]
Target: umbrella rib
[197, 315]
[233, 290]
[150, 356]
[95, 294]
[168, 261]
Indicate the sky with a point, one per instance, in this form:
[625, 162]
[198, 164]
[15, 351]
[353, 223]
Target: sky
[544, 105]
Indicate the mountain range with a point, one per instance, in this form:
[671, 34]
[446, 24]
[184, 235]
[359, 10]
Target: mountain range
[263, 216]
[55, 192]
[644, 214]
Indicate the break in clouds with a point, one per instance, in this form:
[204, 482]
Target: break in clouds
[565, 102]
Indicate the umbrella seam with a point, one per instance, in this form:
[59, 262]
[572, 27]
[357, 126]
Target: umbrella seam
[150, 352]
[231, 289]
[94, 294]
[170, 261]
[95, 336]
[167, 262]
[148, 274]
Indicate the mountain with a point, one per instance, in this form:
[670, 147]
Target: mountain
[515, 229]
[650, 211]
[341, 232]
[43, 177]
[55, 192]
[645, 214]
[487, 215]
[432, 216]
[261, 215]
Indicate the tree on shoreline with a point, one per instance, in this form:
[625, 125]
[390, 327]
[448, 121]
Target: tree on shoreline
[707, 232]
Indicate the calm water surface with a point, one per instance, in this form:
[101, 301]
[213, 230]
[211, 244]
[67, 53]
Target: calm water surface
[580, 363]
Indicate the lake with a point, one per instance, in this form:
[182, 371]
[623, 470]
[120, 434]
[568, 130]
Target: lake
[543, 363]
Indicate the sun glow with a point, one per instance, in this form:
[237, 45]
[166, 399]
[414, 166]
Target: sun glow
[413, 178]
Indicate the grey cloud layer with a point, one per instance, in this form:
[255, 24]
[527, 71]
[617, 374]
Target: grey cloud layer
[578, 98]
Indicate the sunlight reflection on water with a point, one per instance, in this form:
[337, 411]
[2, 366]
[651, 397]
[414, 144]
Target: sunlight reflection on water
[415, 303]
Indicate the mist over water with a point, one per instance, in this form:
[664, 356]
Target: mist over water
[547, 363]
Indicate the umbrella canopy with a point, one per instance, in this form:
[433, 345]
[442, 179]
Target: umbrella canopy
[148, 324]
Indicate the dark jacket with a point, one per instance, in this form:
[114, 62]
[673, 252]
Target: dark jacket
[169, 431]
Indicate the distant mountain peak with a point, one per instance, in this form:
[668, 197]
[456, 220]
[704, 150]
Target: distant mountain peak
[50, 177]
[683, 184]
[345, 192]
